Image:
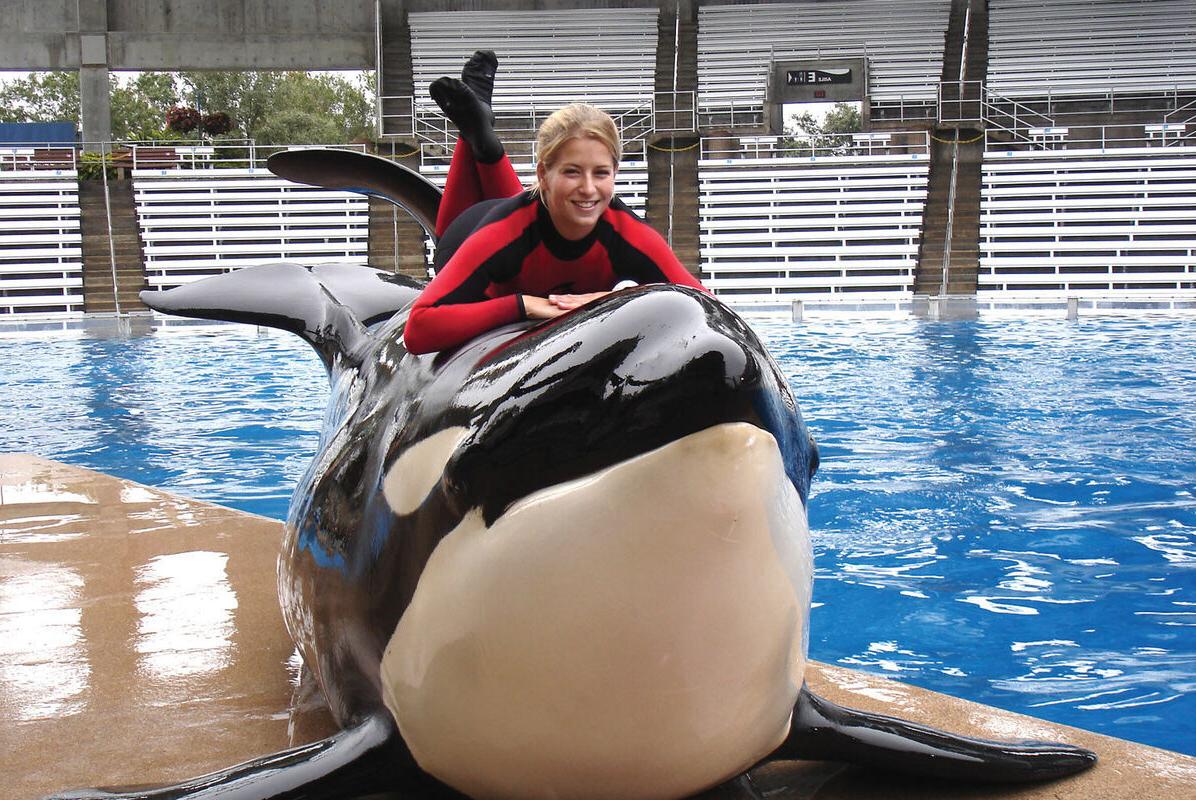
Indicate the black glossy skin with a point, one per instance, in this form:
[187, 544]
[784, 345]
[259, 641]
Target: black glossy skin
[622, 376]
[543, 403]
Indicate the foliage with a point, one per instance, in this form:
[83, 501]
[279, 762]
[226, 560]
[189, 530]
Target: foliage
[804, 133]
[286, 107]
[271, 107]
[183, 119]
[139, 105]
[217, 124]
[90, 164]
[42, 97]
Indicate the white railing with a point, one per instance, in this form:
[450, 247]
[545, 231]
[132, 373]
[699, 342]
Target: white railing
[1094, 139]
[912, 145]
[31, 157]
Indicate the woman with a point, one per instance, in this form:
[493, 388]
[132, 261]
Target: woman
[505, 254]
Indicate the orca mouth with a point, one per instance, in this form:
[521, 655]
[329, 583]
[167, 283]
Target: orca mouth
[615, 379]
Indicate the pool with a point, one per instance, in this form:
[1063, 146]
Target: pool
[1004, 511]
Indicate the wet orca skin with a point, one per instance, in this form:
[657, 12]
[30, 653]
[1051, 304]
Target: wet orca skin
[424, 456]
[567, 559]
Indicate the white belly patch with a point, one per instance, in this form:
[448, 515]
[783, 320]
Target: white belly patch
[638, 633]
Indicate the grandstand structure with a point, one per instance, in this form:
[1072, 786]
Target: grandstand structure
[1012, 152]
[41, 257]
[902, 42]
[205, 221]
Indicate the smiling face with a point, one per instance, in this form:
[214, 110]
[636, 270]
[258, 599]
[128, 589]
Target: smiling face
[578, 186]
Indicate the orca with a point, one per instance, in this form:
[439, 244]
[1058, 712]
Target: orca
[568, 559]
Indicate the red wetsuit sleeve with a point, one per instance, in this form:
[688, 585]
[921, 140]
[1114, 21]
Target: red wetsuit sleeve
[646, 257]
[455, 306]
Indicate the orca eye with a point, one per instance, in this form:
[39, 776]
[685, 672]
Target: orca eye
[419, 469]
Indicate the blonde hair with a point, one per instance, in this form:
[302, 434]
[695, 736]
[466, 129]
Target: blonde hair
[575, 121]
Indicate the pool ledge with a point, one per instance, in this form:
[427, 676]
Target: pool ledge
[143, 644]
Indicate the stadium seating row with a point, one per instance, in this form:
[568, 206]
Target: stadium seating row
[41, 257]
[1088, 222]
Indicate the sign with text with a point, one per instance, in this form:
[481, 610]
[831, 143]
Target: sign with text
[819, 81]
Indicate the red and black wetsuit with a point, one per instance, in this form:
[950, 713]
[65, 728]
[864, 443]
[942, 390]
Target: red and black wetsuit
[514, 249]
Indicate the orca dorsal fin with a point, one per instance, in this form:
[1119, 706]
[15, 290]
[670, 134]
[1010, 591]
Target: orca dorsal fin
[329, 305]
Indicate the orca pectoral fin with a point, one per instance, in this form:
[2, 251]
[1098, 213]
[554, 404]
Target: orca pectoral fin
[365, 759]
[825, 731]
[362, 173]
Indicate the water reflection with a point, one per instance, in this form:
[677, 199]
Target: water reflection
[185, 606]
[43, 668]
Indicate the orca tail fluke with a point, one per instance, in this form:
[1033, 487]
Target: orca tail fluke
[329, 305]
[365, 759]
[825, 731]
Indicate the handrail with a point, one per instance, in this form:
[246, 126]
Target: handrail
[904, 145]
[159, 155]
[951, 192]
[1097, 137]
[672, 153]
[1189, 105]
[106, 153]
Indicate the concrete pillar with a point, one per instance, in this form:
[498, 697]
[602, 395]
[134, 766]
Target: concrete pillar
[95, 107]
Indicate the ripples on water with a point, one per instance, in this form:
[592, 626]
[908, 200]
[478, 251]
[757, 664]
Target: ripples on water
[1004, 509]
[228, 415]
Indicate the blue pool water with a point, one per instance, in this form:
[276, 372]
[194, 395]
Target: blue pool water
[1004, 510]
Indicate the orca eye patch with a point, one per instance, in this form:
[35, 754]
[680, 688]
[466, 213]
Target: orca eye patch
[419, 469]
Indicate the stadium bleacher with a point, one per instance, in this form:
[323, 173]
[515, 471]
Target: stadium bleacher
[199, 222]
[902, 40]
[1063, 210]
[1088, 222]
[777, 227]
[547, 58]
[1080, 47]
[41, 257]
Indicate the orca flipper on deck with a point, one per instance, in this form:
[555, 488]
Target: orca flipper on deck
[825, 731]
[329, 305]
[367, 758]
[362, 173]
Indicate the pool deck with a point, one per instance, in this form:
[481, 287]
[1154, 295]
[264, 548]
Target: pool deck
[141, 642]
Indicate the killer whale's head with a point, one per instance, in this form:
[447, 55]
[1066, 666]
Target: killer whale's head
[624, 376]
[628, 570]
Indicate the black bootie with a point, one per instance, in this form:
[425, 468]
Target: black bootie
[478, 74]
[472, 117]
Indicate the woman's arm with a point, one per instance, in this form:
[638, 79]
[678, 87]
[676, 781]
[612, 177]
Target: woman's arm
[431, 327]
[643, 255]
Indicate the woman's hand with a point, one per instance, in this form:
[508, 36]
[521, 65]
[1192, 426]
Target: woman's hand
[540, 308]
[556, 304]
[568, 302]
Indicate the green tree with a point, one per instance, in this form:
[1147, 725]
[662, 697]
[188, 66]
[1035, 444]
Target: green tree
[805, 134]
[139, 106]
[286, 107]
[42, 97]
[270, 107]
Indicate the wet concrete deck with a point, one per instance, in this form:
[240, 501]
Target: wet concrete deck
[141, 642]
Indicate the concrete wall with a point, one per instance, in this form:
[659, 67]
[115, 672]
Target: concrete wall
[189, 34]
[96, 36]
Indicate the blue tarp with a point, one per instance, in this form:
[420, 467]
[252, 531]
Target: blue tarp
[37, 133]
